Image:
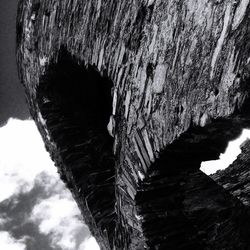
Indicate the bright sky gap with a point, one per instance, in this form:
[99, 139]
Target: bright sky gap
[24, 165]
[227, 158]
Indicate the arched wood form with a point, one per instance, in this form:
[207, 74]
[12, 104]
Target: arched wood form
[183, 208]
[179, 68]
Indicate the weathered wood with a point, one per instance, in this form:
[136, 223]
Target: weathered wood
[174, 66]
[235, 179]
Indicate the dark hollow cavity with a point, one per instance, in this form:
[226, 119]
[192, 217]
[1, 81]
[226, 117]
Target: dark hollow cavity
[76, 103]
[181, 207]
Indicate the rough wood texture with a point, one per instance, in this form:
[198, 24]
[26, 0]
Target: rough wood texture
[177, 67]
[235, 179]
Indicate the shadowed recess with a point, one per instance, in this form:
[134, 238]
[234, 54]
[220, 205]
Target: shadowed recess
[75, 101]
[180, 206]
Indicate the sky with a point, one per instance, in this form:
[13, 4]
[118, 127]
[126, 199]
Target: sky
[36, 210]
[12, 101]
[231, 153]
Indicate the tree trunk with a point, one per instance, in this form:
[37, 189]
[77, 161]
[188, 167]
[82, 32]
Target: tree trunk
[170, 80]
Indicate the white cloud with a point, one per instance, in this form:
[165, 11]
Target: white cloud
[24, 162]
[7, 242]
[3, 220]
[23, 157]
[232, 151]
[58, 217]
[89, 244]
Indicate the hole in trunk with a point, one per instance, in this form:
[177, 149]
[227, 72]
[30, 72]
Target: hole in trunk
[180, 206]
[228, 157]
[75, 102]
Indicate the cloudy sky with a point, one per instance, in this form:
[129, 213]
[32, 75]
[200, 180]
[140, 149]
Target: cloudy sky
[36, 210]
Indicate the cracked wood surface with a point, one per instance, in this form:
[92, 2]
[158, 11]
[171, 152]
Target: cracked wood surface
[173, 64]
[235, 179]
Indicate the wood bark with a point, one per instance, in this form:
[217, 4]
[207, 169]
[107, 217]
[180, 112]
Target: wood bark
[235, 179]
[179, 71]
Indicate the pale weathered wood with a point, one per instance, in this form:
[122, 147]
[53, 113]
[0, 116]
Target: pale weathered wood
[174, 65]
